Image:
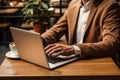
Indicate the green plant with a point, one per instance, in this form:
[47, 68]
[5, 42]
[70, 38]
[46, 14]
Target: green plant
[36, 11]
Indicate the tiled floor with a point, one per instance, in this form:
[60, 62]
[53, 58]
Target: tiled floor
[3, 50]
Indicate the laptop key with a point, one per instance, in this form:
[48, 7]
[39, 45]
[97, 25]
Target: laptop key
[55, 60]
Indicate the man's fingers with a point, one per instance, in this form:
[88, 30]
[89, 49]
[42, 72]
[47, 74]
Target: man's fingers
[54, 52]
[50, 49]
[49, 46]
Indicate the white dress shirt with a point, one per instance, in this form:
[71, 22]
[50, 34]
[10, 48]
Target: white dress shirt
[81, 24]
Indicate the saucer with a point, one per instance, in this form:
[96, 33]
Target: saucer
[10, 54]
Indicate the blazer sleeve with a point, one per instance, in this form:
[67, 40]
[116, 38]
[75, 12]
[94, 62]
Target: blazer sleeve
[57, 31]
[110, 43]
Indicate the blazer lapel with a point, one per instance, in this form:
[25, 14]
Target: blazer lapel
[75, 18]
[91, 15]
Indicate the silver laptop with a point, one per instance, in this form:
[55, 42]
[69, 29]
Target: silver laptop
[30, 48]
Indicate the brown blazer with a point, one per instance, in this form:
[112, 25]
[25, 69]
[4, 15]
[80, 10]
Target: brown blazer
[102, 30]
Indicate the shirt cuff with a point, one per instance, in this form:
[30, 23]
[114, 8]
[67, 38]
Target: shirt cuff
[77, 50]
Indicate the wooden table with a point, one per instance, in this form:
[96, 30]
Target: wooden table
[10, 14]
[99, 68]
[12, 10]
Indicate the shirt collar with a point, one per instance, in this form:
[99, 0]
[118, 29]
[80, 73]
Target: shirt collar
[87, 6]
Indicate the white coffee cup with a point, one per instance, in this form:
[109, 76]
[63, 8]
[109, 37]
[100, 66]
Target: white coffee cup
[13, 48]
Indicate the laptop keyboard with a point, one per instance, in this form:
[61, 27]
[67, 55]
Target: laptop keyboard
[55, 60]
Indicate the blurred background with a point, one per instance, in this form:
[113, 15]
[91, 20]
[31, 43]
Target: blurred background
[11, 15]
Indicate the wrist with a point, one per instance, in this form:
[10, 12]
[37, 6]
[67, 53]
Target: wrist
[77, 50]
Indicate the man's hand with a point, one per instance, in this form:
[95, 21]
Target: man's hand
[57, 49]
